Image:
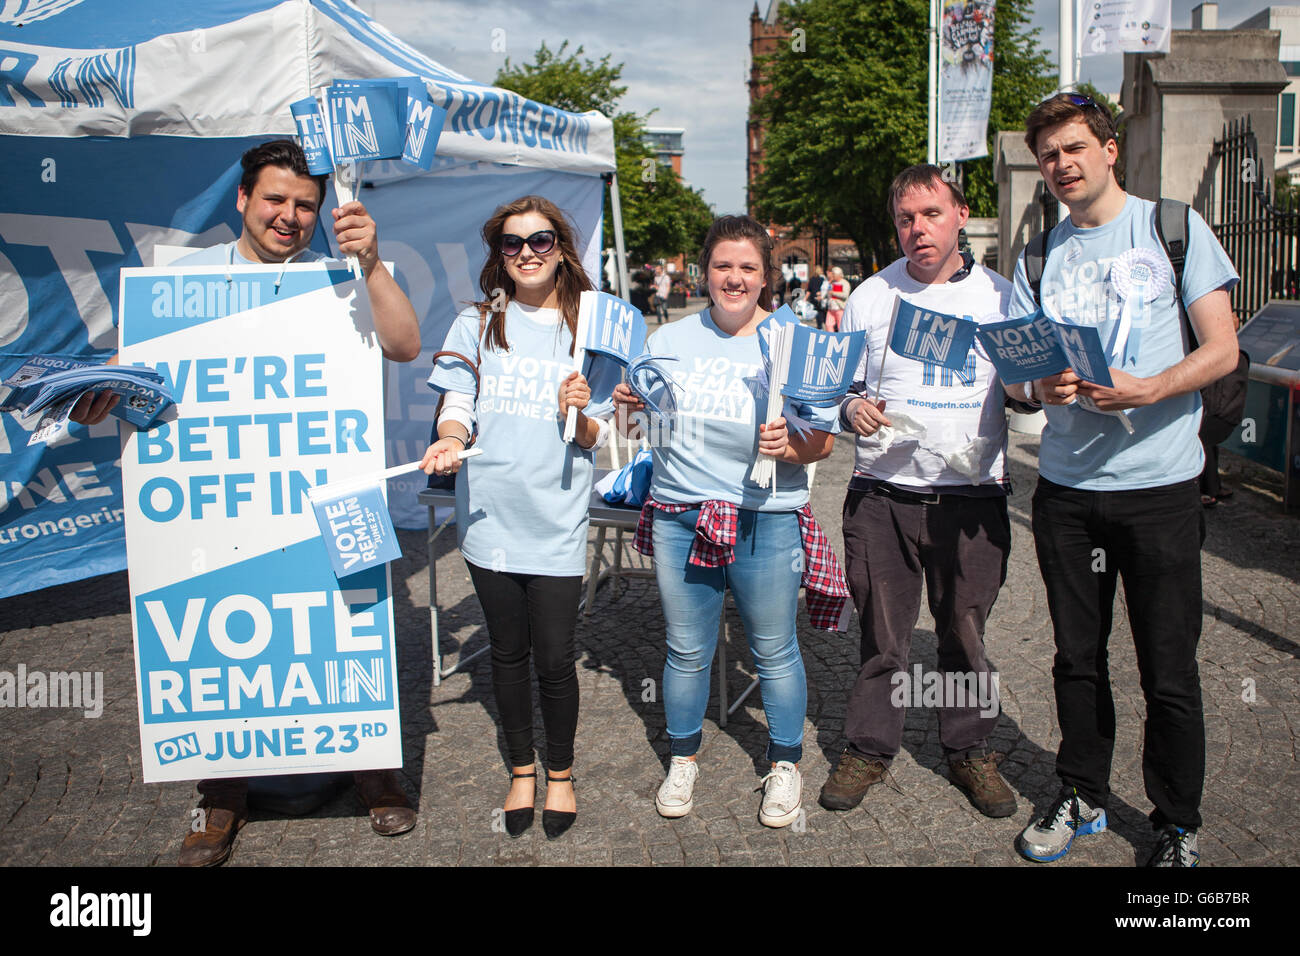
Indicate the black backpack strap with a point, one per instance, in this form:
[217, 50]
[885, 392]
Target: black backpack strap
[1173, 226]
[1035, 257]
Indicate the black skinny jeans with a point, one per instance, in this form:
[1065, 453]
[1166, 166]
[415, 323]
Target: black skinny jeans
[1086, 541]
[532, 616]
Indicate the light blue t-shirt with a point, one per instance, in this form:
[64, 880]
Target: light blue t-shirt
[521, 506]
[227, 253]
[1082, 449]
[711, 447]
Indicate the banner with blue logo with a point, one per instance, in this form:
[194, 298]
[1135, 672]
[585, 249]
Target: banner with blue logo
[929, 336]
[251, 656]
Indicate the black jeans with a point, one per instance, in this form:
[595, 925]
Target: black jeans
[532, 616]
[959, 547]
[1151, 538]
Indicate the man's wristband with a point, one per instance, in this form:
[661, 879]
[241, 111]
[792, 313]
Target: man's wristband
[463, 442]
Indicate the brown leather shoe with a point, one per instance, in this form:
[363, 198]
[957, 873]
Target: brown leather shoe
[381, 791]
[852, 777]
[211, 845]
[978, 776]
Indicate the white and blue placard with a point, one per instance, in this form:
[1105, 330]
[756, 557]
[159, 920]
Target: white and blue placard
[615, 328]
[367, 119]
[312, 136]
[356, 529]
[822, 364]
[1034, 346]
[251, 656]
[931, 337]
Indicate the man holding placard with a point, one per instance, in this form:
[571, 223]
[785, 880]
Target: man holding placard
[279, 200]
[928, 496]
[1115, 501]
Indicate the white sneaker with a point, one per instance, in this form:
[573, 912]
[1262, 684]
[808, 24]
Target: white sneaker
[674, 798]
[782, 792]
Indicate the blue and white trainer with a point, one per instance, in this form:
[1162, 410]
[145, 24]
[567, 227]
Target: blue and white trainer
[1175, 847]
[1070, 815]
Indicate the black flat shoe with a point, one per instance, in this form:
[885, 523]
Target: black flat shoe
[556, 823]
[517, 821]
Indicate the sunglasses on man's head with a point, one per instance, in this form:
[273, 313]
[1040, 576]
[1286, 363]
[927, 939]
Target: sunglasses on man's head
[540, 242]
[1083, 102]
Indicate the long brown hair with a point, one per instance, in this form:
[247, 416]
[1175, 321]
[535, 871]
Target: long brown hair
[742, 229]
[570, 278]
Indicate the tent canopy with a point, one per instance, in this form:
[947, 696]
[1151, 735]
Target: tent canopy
[157, 67]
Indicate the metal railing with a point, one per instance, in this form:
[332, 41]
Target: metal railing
[1262, 240]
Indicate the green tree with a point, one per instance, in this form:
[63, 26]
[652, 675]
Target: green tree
[846, 111]
[662, 216]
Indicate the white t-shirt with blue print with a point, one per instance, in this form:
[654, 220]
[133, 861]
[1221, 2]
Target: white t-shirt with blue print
[709, 450]
[521, 506]
[1085, 450]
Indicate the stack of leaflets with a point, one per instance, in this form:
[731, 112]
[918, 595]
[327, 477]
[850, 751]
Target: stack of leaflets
[50, 386]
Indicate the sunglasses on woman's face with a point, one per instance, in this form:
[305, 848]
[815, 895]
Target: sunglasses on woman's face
[540, 242]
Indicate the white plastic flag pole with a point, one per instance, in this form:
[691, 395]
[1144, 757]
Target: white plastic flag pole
[579, 356]
[884, 353]
[321, 492]
[345, 174]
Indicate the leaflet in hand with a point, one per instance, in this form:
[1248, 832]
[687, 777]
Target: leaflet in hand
[52, 385]
[1034, 347]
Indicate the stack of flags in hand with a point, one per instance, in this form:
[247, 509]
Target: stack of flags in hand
[50, 386]
[804, 365]
[353, 120]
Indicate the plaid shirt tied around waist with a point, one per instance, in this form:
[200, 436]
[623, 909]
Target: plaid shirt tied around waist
[714, 546]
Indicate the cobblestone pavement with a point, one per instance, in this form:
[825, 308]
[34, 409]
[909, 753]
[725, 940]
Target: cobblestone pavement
[71, 790]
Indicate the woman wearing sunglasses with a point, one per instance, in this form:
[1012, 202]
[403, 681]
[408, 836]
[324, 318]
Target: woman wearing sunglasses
[711, 528]
[521, 506]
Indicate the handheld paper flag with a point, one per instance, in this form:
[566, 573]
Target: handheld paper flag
[931, 337]
[821, 364]
[312, 136]
[614, 328]
[354, 520]
[647, 374]
[424, 122]
[367, 119]
[782, 316]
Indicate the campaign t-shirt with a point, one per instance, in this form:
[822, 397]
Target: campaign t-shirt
[1083, 284]
[226, 253]
[521, 506]
[960, 410]
[709, 450]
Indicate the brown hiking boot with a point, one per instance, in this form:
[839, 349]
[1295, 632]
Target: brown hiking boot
[849, 782]
[211, 845]
[978, 776]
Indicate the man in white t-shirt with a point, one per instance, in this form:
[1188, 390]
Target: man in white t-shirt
[927, 502]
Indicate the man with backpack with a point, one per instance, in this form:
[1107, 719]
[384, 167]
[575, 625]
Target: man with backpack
[1119, 498]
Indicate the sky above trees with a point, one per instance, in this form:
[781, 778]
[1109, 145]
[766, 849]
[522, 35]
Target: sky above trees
[687, 60]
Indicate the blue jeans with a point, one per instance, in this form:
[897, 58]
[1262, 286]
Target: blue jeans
[764, 580]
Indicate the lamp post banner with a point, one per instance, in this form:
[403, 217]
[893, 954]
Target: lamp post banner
[965, 78]
[252, 658]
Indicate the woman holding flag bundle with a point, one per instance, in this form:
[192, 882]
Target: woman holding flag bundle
[521, 505]
[710, 527]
